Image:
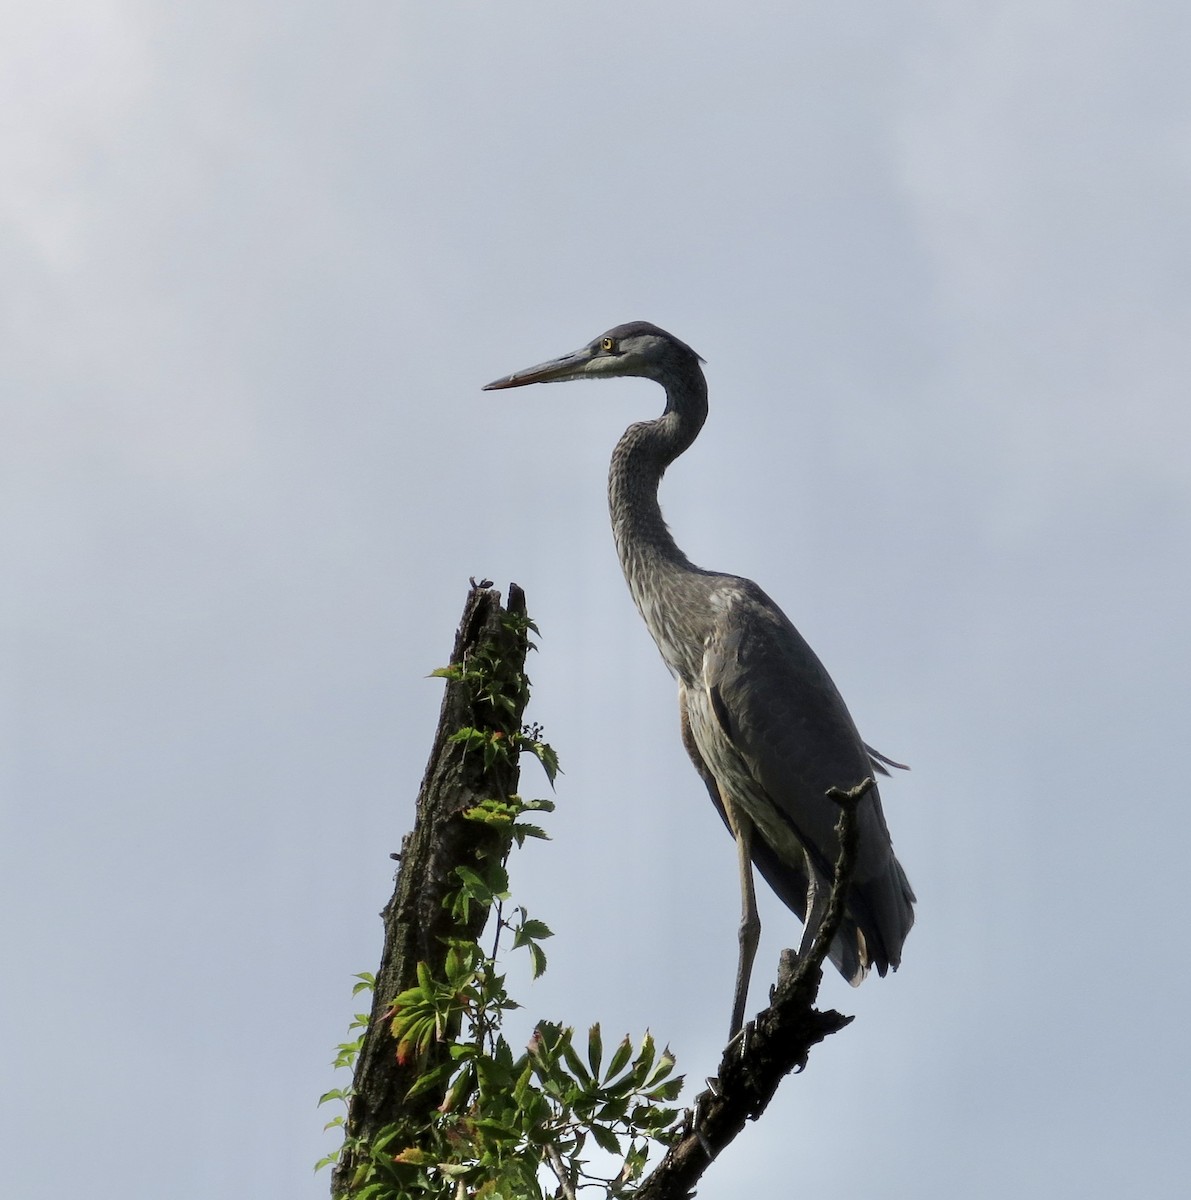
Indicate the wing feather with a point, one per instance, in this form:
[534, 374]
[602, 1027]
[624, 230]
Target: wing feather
[784, 718]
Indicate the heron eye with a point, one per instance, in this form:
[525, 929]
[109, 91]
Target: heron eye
[608, 345]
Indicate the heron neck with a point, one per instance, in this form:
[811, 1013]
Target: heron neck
[649, 556]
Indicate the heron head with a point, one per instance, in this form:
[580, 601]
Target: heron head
[637, 348]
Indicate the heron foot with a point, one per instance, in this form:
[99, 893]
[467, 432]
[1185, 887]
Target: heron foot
[741, 1038]
[713, 1087]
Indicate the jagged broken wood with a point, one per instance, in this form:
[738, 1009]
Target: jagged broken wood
[416, 924]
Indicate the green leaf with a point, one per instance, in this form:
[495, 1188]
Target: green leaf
[469, 738]
[620, 1059]
[532, 929]
[578, 1069]
[666, 1091]
[425, 982]
[644, 1059]
[662, 1069]
[605, 1139]
[523, 1085]
[489, 816]
[595, 1049]
[460, 1089]
[522, 831]
[654, 1120]
[498, 880]
[537, 959]
[473, 885]
[432, 1079]
[414, 1156]
[634, 1161]
[546, 756]
[386, 1135]
[462, 962]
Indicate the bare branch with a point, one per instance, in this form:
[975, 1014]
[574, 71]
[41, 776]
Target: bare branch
[767, 1049]
[560, 1170]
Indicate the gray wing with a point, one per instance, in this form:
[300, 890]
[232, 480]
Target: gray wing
[784, 718]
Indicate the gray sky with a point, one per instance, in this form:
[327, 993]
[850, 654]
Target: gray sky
[258, 260]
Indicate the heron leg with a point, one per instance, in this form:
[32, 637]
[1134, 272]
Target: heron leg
[750, 922]
[816, 907]
[741, 827]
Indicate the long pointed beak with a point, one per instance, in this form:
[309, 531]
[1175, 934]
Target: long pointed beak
[570, 366]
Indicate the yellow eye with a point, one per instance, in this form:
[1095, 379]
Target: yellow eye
[608, 344]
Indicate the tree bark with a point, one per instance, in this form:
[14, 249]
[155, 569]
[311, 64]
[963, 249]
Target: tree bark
[415, 921]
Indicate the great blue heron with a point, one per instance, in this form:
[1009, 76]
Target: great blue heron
[761, 719]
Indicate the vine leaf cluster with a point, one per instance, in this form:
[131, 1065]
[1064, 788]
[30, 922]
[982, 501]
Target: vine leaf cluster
[442, 1106]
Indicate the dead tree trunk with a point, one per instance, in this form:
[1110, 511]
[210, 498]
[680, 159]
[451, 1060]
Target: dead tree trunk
[415, 921]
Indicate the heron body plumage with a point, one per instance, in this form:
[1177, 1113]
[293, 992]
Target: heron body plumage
[761, 719]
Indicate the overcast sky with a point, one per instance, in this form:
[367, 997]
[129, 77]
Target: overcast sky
[257, 260]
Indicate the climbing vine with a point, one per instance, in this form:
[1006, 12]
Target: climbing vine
[512, 1125]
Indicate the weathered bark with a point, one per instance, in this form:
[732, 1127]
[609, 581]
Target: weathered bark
[415, 921]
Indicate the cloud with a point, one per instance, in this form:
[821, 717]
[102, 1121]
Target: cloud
[1044, 171]
[70, 77]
